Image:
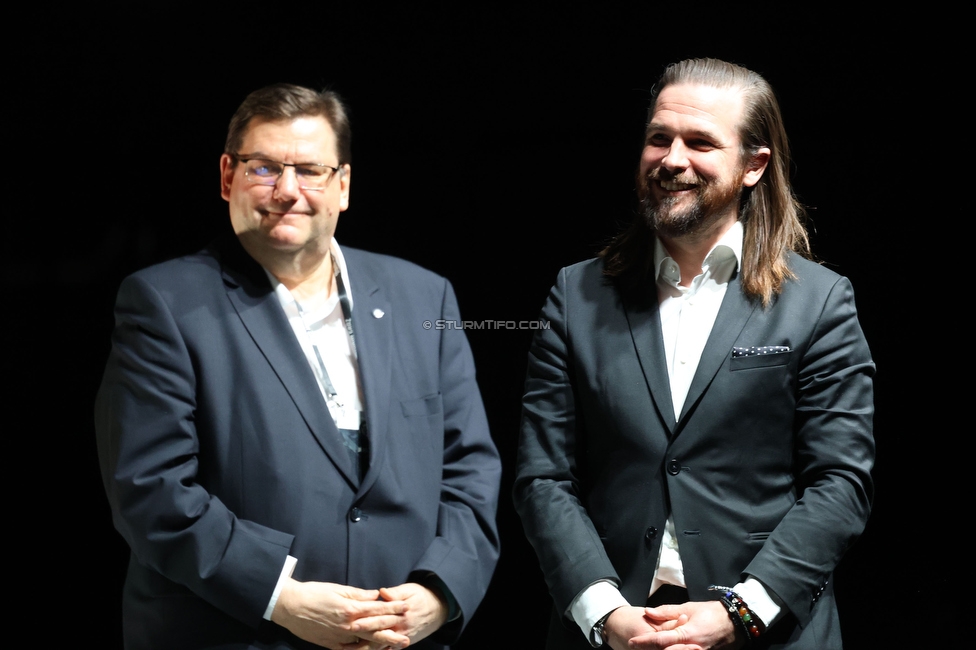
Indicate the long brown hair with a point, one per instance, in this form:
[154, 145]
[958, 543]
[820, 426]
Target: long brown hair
[772, 218]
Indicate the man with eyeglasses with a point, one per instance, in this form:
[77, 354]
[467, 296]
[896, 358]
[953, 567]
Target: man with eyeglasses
[290, 455]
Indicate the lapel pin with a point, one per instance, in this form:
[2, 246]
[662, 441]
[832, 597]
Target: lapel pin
[377, 313]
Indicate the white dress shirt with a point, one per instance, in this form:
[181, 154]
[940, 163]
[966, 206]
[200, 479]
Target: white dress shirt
[321, 331]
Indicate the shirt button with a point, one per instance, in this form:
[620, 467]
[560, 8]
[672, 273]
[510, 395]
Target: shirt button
[355, 514]
[674, 468]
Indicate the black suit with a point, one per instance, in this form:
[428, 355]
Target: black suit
[766, 472]
[220, 457]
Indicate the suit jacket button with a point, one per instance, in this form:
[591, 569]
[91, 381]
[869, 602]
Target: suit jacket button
[674, 468]
[355, 514]
[649, 535]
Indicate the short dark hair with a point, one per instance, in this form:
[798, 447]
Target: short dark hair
[288, 102]
[772, 218]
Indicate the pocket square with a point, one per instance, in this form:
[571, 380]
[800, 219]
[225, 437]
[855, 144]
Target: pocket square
[757, 350]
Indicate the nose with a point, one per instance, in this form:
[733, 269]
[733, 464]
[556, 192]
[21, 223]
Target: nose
[676, 159]
[287, 189]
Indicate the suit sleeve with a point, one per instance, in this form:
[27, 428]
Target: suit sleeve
[547, 484]
[148, 449]
[833, 456]
[465, 550]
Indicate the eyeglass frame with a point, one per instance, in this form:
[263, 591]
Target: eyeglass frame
[245, 160]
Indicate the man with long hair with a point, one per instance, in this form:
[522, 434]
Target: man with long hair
[696, 440]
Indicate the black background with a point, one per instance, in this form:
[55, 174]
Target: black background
[493, 146]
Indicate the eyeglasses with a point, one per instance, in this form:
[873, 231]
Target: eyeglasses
[310, 176]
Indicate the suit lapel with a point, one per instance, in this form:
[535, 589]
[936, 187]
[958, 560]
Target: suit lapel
[732, 317]
[252, 297]
[373, 327]
[644, 320]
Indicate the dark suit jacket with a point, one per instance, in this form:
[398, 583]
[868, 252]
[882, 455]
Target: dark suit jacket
[766, 472]
[220, 457]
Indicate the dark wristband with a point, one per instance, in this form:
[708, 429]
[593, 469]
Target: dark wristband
[740, 614]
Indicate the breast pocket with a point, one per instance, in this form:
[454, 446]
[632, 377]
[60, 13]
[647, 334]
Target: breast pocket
[761, 361]
[763, 379]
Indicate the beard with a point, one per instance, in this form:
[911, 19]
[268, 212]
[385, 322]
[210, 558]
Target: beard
[711, 203]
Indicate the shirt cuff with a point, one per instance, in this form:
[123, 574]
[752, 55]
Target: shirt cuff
[595, 602]
[286, 572]
[763, 603]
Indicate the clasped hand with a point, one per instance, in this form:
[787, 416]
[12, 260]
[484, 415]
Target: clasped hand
[340, 617]
[689, 626]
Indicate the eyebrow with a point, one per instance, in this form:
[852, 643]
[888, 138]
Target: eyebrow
[702, 133]
[260, 155]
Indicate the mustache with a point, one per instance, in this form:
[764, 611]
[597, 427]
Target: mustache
[661, 174]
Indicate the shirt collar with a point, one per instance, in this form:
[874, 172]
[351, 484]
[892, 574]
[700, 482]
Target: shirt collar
[290, 305]
[718, 265]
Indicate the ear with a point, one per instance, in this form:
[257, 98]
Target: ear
[227, 169]
[755, 167]
[345, 179]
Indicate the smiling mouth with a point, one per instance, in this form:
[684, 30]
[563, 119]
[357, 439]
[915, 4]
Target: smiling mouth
[282, 215]
[674, 186]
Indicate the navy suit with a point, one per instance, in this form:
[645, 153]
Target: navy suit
[220, 457]
[766, 471]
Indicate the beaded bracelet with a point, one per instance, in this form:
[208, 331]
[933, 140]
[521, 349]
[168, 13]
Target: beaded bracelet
[740, 614]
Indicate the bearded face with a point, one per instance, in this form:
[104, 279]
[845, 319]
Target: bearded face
[693, 168]
[690, 204]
